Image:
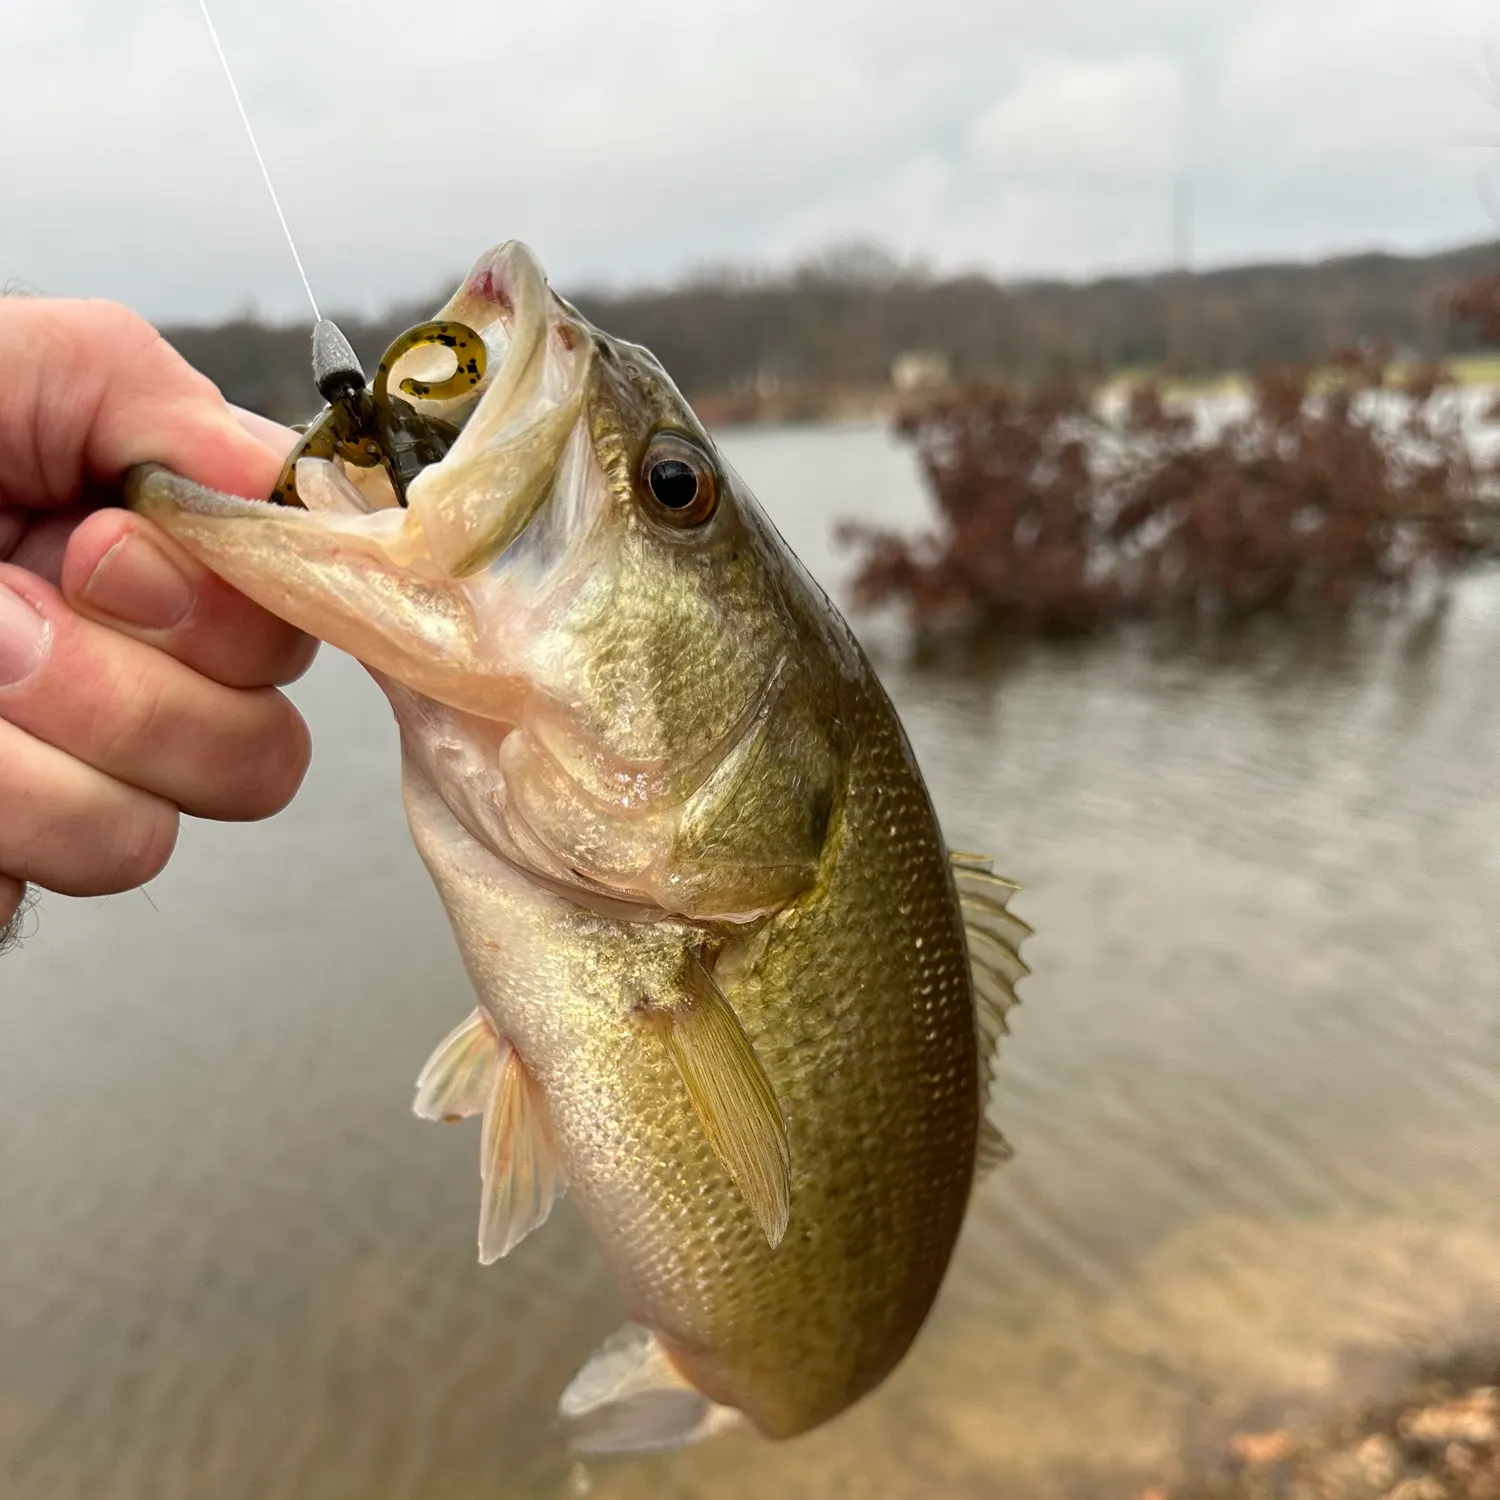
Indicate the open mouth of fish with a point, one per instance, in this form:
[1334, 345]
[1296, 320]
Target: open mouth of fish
[447, 599]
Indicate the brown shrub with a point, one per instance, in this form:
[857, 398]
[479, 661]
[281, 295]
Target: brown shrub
[1056, 514]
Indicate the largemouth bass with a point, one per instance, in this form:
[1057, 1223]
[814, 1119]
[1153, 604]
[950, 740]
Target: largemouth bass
[727, 997]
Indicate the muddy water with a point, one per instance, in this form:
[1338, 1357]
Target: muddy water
[1255, 1091]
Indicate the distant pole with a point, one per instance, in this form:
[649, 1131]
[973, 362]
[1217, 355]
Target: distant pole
[1182, 222]
[1179, 315]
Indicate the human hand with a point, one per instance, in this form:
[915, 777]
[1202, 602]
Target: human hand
[134, 684]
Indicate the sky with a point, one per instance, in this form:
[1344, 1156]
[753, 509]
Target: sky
[632, 142]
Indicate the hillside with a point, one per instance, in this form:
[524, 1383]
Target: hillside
[842, 321]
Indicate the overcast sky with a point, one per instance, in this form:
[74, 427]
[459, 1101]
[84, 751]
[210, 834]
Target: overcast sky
[633, 140]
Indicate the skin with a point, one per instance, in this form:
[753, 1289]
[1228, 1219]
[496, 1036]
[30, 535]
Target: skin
[153, 690]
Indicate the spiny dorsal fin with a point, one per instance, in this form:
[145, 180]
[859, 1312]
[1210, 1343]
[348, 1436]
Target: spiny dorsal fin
[994, 935]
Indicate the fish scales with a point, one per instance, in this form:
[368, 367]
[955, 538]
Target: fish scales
[724, 982]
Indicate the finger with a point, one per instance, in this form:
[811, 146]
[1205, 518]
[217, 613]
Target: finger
[92, 388]
[139, 716]
[73, 829]
[127, 573]
[272, 434]
[12, 894]
[43, 541]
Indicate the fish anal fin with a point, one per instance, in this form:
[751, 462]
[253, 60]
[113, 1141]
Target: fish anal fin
[459, 1077]
[630, 1399]
[520, 1169]
[730, 1094]
[993, 1148]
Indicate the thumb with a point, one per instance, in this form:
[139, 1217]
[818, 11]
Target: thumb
[89, 388]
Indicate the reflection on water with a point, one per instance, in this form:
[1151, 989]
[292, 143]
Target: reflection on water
[1255, 1090]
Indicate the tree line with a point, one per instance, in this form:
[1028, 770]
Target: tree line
[843, 319]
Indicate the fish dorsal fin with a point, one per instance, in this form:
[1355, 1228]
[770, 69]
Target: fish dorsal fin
[475, 1070]
[994, 935]
[730, 1094]
[629, 1399]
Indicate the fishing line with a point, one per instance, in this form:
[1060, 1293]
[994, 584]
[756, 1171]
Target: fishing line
[255, 147]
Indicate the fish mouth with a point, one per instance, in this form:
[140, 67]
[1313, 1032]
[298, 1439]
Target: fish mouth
[480, 497]
[394, 587]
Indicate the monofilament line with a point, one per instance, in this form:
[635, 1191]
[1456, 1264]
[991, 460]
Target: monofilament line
[255, 147]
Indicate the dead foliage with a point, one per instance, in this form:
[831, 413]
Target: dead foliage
[1061, 510]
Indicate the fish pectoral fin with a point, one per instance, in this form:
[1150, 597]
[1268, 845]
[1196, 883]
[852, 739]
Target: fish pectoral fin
[993, 935]
[629, 1399]
[459, 1077]
[520, 1169]
[731, 1095]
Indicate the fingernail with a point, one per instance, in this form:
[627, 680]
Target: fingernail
[138, 584]
[24, 634]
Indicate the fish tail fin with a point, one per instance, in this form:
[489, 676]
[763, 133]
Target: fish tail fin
[630, 1399]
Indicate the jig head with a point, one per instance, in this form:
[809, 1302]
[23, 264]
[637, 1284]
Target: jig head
[365, 426]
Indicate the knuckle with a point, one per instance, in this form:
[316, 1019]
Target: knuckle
[297, 655]
[74, 335]
[269, 761]
[137, 842]
[261, 652]
[287, 759]
[124, 326]
[133, 721]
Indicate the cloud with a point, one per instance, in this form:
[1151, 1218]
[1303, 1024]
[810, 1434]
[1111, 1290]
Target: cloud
[1353, 86]
[1078, 122]
[633, 141]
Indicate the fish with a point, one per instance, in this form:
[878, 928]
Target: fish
[735, 993]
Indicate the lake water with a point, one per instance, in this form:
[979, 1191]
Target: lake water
[1255, 1091]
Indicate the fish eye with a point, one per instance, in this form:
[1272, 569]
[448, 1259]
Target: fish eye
[680, 479]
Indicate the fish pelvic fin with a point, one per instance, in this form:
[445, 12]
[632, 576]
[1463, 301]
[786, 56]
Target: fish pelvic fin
[629, 1398]
[460, 1075]
[993, 934]
[475, 1070]
[520, 1170]
[730, 1094]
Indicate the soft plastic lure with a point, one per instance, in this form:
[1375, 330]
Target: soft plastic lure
[368, 425]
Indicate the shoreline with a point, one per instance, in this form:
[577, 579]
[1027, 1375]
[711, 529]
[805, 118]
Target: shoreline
[1436, 1438]
[796, 404]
